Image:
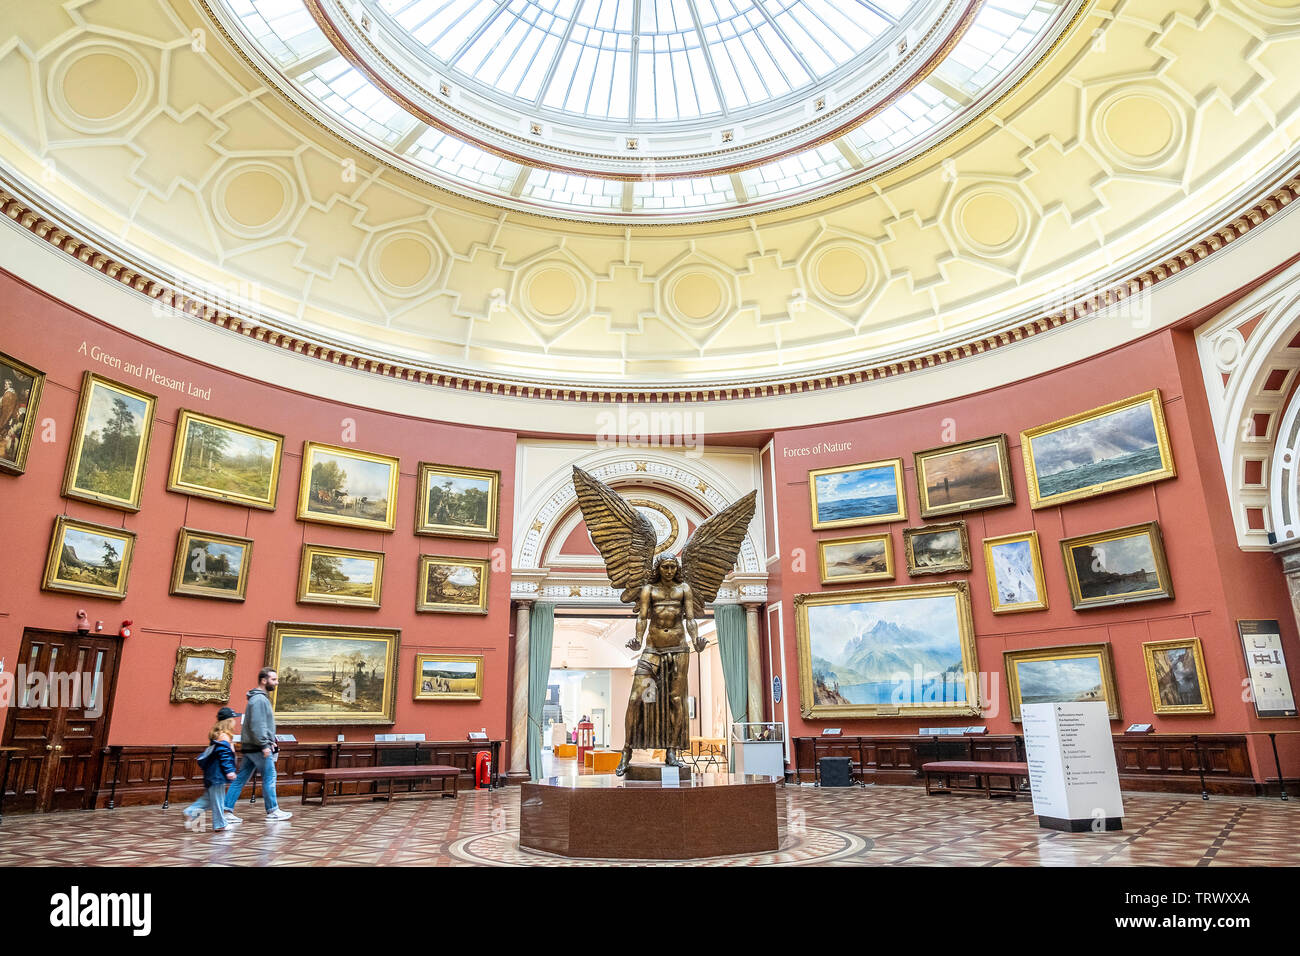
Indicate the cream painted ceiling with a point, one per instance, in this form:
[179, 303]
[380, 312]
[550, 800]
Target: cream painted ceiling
[1151, 121]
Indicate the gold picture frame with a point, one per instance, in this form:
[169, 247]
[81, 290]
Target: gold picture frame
[864, 551]
[463, 513]
[1130, 418]
[333, 673]
[437, 591]
[189, 460]
[320, 499]
[196, 679]
[936, 620]
[1010, 569]
[105, 426]
[202, 566]
[1169, 665]
[20, 402]
[100, 571]
[1070, 674]
[329, 575]
[949, 553]
[1121, 566]
[445, 679]
[850, 495]
[979, 469]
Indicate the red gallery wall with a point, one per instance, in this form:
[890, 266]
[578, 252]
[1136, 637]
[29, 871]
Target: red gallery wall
[45, 333]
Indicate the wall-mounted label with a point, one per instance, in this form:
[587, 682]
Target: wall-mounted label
[776, 689]
[821, 448]
[1270, 683]
[145, 372]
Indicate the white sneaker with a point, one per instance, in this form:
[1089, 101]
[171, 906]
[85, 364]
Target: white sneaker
[278, 814]
[193, 821]
[231, 818]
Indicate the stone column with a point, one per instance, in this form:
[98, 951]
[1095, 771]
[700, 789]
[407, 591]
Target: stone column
[755, 661]
[519, 704]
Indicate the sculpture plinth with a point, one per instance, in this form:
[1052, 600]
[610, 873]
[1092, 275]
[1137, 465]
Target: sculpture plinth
[653, 771]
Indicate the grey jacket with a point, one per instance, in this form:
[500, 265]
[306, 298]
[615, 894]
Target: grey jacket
[259, 722]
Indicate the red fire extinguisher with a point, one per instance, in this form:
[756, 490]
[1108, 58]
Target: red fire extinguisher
[483, 770]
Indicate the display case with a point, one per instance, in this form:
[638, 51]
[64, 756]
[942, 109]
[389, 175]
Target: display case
[759, 747]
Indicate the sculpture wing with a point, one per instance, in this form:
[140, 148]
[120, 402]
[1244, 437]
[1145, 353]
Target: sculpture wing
[625, 539]
[713, 548]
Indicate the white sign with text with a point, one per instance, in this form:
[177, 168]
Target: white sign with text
[1072, 771]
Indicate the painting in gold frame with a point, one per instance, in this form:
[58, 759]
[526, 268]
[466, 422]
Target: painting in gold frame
[225, 461]
[452, 585]
[448, 676]
[868, 557]
[1014, 565]
[348, 487]
[341, 576]
[202, 675]
[1120, 566]
[1119, 445]
[20, 401]
[1073, 674]
[457, 502]
[918, 626]
[937, 548]
[211, 565]
[848, 495]
[1176, 676]
[110, 444]
[333, 673]
[967, 477]
[88, 558]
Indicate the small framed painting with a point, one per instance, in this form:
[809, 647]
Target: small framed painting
[20, 400]
[1061, 675]
[1123, 566]
[202, 675]
[211, 565]
[966, 477]
[110, 444]
[870, 493]
[1014, 565]
[867, 557]
[937, 548]
[452, 585]
[333, 673]
[214, 458]
[1176, 676]
[341, 576]
[87, 558]
[457, 502]
[448, 676]
[347, 487]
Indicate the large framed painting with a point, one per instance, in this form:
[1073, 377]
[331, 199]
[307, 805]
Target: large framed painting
[452, 585]
[1014, 565]
[966, 477]
[333, 673]
[1121, 566]
[202, 675]
[885, 652]
[110, 444]
[87, 558]
[347, 487]
[211, 565]
[867, 557]
[457, 502]
[857, 494]
[448, 676]
[341, 576]
[1061, 675]
[1176, 676]
[20, 400]
[214, 458]
[937, 548]
[1116, 446]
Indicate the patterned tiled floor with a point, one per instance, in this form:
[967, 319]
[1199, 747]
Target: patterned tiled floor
[872, 826]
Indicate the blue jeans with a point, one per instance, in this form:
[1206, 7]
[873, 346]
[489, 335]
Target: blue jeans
[263, 765]
[214, 799]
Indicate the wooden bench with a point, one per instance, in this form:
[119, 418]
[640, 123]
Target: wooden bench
[331, 777]
[982, 770]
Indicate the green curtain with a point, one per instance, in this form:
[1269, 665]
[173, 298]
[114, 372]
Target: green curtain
[541, 634]
[733, 648]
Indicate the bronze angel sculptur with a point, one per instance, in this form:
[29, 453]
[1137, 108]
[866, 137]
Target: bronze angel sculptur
[669, 594]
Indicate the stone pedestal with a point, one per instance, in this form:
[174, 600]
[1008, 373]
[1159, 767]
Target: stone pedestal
[652, 771]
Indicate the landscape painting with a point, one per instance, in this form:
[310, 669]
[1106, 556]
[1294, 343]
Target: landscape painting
[448, 677]
[211, 565]
[965, 477]
[88, 558]
[213, 458]
[1177, 678]
[340, 576]
[1116, 446]
[110, 444]
[887, 651]
[333, 674]
[202, 675]
[20, 398]
[1014, 565]
[1055, 675]
[341, 486]
[937, 548]
[866, 558]
[453, 585]
[1122, 566]
[457, 502]
[857, 494]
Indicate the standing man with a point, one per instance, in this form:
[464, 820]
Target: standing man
[257, 743]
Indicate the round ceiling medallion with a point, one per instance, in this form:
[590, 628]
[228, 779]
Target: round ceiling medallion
[697, 296]
[97, 87]
[552, 292]
[404, 263]
[1140, 128]
[252, 200]
[991, 220]
[841, 273]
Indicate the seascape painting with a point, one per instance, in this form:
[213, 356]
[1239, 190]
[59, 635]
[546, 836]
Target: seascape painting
[211, 565]
[346, 487]
[856, 559]
[107, 459]
[457, 502]
[1115, 567]
[446, 677]
[937, 549]
[1015, 571]
[333, 674]
[219, 459]
[964, 477]
[20, 396]
[858, 494]
[1077, 674]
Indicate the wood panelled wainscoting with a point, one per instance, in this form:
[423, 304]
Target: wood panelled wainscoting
[1169, 763]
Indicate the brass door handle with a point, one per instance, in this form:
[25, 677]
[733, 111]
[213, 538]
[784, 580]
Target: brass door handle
[49, 746]
[59, 747]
